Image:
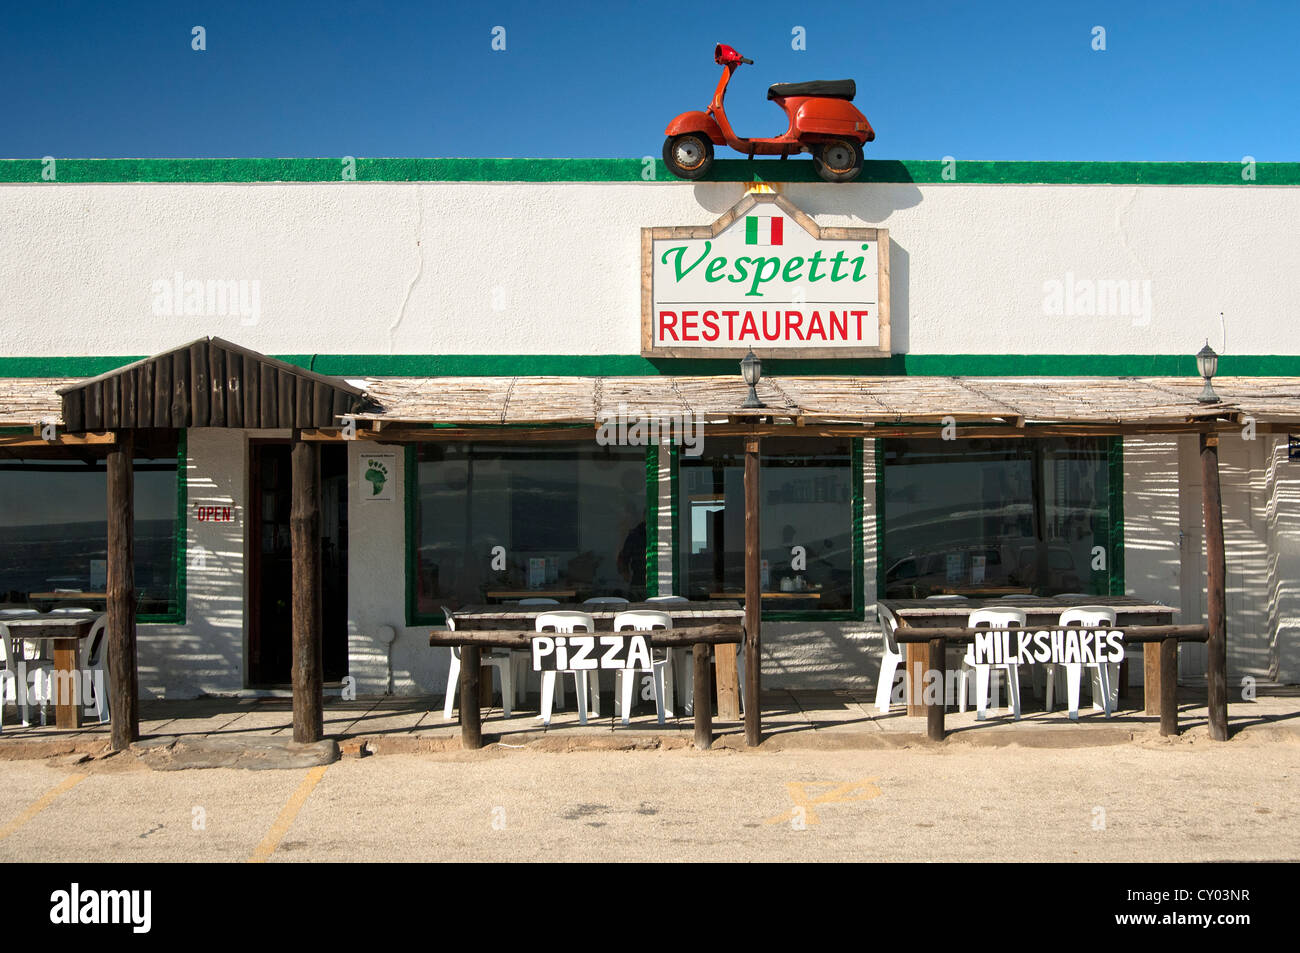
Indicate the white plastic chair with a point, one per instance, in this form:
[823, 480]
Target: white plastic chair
[685, 677]
[605, 601]
[1104, 675]
[997, 618]
[17, 667]
[94, 660]
[645, 620]
[890, 659]
[501, 661]
[522, 658]
[31, 650]
[563, 623]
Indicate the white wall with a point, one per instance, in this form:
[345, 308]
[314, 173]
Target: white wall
[205, 655]
[1282, 516]
[489, 268]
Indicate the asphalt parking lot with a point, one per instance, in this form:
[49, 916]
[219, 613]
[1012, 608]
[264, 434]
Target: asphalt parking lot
[1180, 799]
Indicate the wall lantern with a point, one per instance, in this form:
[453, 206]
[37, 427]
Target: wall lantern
[751, 369]
[1207, 362]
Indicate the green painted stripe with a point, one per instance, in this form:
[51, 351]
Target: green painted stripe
[859, 529]
[674, 472]
[751, 230]
[921, 171]
[411, 507]
[632, 365]
[1115, 551]
[652, 520]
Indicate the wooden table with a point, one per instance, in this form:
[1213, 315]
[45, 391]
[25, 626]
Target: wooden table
[488, 617]
[66, 632]
[531, 593]
[780, 594]
[1041, 612]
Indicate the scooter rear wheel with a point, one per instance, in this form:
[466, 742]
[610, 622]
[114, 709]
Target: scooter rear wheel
[688, 155]
[839, 160]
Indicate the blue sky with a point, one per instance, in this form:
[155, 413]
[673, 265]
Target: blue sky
[1177, 80]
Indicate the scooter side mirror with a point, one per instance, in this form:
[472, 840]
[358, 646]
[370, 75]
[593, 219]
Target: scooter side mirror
[724, 55]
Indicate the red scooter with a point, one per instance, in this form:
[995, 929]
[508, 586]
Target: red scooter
[823, 121]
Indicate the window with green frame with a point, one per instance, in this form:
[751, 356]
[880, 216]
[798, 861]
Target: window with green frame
[988, 516]
[810, 525]
[54, 527]
[492, 522]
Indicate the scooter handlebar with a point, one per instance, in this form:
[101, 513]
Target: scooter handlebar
[746, 60]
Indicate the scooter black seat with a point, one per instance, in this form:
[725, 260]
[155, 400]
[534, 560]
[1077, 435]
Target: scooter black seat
[830, 88]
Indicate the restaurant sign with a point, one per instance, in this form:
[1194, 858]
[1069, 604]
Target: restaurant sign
[764, 276]
[581, 652]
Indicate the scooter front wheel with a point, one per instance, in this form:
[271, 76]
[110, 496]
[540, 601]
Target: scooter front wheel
[839, 160]
[689, 155]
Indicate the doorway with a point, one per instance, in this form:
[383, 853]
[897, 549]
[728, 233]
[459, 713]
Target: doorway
[270, 619]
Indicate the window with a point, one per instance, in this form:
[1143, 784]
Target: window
[54, 530]
[807, 530]
[997, 516]
[492, 522]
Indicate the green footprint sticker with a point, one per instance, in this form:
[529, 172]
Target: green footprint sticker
[377, 475]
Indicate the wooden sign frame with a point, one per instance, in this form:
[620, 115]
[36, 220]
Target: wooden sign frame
[746, 204]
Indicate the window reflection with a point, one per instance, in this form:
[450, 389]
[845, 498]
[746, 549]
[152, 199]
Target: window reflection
[498, 521]
[54, 532]
[805, 523]
[996, 516]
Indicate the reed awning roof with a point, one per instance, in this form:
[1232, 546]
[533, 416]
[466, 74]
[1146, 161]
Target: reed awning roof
[828, 400]
[384, 402]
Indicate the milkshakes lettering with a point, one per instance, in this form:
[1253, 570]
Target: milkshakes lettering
[1061, 646]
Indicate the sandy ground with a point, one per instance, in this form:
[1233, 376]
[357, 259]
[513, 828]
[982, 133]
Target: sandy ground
[1185, 800]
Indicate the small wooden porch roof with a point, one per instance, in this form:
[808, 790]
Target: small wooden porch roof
[206, 383]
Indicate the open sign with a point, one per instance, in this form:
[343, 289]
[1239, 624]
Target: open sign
[588, 652]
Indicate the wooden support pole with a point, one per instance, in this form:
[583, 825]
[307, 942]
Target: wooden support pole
[124, 695]
[471, 716]
[1169, 687]
[304, 529]
[703, 703]
[1151, 689]
[934, 713]
[1216, 667]
[753, 597]
[687, 636]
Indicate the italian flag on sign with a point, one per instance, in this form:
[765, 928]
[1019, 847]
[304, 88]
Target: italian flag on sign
[760, 230]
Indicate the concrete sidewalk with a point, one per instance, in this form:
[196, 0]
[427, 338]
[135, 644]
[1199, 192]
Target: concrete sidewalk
[834, 720]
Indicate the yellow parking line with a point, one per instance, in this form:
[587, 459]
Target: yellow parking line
[41, 803]
[282, 823]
